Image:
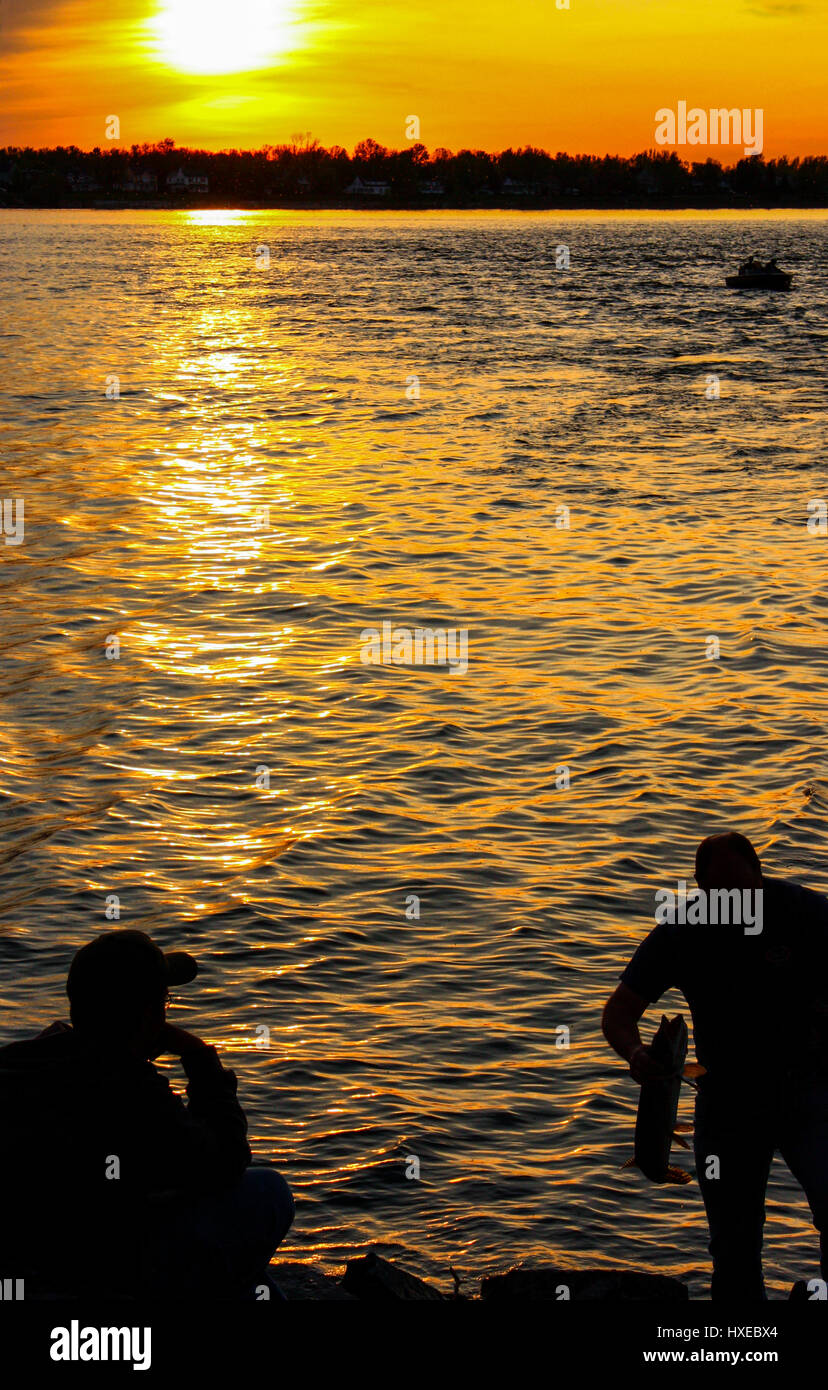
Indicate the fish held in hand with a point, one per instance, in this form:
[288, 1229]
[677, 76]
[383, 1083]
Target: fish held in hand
[656, 1129]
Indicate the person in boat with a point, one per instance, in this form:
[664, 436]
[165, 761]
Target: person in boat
[110, 1183]
[751, 266]
[772, 268]
[759, 1003]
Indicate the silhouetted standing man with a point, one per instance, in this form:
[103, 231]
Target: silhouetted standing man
[760, 1019]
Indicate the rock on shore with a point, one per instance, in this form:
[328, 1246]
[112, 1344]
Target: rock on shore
[371, 1279]
[596, 1285]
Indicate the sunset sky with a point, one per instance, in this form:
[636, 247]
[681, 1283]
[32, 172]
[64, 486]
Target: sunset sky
[244, 73]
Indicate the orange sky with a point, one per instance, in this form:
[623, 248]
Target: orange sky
[244, 73]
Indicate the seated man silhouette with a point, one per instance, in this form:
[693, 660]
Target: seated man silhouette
[109, 1182]
[759, 1002]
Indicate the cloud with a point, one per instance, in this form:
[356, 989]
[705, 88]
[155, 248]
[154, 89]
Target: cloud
[22, 17]
[18, 11]
[779, 9]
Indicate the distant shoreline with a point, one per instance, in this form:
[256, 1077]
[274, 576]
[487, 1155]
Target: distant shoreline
[394, 205]
[304, 176]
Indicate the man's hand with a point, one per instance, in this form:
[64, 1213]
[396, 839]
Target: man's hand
[643, 1068]
[174, 1041]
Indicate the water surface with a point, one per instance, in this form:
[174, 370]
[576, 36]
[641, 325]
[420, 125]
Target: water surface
[243, 386]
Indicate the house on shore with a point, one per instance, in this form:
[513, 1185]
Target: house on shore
[514, 189]
[368, 188]
[179, 182]
[138, 181]
[7, 172]
[81, 183]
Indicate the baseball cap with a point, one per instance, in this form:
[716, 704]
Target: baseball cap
[128, 964]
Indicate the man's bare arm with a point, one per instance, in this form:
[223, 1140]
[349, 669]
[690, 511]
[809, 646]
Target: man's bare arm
[622, 1012]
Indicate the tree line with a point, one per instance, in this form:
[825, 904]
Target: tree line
[304, 171]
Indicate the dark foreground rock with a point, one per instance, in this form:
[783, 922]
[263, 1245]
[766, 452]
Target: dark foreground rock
[806, 1291]
[300, 1282]
[371, 1279]
[375, 1280]
[598, 1285]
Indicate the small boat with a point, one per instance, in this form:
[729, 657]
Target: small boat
[760, 280]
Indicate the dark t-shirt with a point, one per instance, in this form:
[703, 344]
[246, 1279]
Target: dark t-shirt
[85, 1137]
[759, 1003]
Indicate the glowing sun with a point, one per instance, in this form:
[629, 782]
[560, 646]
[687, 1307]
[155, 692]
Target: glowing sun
[214, 36]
